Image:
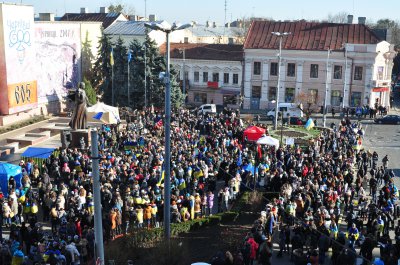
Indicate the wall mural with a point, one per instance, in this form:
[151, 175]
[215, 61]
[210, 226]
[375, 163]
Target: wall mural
[58, 59]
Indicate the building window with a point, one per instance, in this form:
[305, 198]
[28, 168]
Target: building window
[186, 75]
[215, 77]
[314, 71]
[289, 94]
[257, 68]
[313, 96]
[355, 100]
[291, 69]
[226, 78]
[272, 93]
[196, 77]
[358, 73]
[200, 98]
[380, 73]
[256, 92]
[235, 79]
[337, 72]
[274, 69]
[336, 98]
[205, 77]
[229, 99]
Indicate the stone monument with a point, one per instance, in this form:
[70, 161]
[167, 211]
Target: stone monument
[78, 123]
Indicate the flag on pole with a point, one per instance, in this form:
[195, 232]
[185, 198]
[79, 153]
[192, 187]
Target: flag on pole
[129, 56]
[98, 116]
[112, 57]
[309, 124]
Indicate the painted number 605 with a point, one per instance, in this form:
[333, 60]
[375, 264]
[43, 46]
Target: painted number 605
[23, 93]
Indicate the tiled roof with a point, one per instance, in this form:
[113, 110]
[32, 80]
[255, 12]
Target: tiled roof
[219, 52]
[307, 35]
[126, 28]
[106, 18]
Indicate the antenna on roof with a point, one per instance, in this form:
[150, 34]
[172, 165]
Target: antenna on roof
[226, 8]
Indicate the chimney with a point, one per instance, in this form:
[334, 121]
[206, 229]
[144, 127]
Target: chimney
[207, 24]
[133, 18]
[103, 10]
[349, 19]
[46, 16]
[214, 24]
[152, 18]
[361, 20]
[84, 10]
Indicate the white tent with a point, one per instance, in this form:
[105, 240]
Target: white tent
[268, 140]
[109, 114]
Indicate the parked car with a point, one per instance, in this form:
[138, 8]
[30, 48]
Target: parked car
[291, 109]
[293, 121]
[388, 119]
[207, 108]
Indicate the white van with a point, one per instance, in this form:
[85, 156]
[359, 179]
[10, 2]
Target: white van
[291, 109]
[207, 108]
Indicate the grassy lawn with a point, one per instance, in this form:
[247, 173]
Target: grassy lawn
[296, 132]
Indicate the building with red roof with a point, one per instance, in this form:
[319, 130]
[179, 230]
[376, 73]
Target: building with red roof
[306, 73]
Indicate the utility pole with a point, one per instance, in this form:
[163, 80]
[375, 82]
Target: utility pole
[280, 36]
[98, 226]
[345, 75]
[326, 86]
[184, 75]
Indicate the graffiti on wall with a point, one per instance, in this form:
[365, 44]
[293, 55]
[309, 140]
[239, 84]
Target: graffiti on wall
[20, 37]
[58, 53]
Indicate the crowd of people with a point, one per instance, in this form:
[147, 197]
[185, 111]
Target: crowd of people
[322, 187]
[324, 203]
[59, 191]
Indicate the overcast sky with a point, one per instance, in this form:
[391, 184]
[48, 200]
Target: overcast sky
[214, 10]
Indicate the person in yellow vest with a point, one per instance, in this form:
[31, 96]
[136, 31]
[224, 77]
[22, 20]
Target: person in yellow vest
[139, 214]
[185, 214]
[197, 206]
[191, 201]
[154, 211]
[147, 215]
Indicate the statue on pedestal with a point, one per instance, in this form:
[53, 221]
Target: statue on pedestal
[79, 117]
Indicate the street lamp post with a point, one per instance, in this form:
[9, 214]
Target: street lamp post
[184, 75]
[345, 75]
[167, 29]
[326, 86]
[280, 35]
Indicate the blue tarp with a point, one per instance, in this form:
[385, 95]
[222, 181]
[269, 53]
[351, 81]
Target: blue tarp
[6, 171]
[38, 152]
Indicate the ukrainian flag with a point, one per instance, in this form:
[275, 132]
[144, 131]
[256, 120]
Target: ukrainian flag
[112, 57]
[162, 178]
[309, 124]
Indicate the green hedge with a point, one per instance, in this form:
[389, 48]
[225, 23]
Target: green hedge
[140, 236]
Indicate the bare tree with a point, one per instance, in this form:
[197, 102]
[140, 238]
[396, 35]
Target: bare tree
[394, 28]
[119, 7]
[340, 17]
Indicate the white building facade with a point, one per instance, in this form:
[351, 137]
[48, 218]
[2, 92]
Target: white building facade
[213, 73]
[355, 74]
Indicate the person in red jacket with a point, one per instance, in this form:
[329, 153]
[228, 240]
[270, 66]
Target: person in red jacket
[253, 249]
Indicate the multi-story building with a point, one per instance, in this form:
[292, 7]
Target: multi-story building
[212, 72]
[356, 71]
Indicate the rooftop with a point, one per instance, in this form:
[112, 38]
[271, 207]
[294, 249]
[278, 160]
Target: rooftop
[106, 18]
[127, 28]
[204, 51]
[308, 35]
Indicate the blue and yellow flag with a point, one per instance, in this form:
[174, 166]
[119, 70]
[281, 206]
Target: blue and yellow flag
[112, 57]
[309, 124]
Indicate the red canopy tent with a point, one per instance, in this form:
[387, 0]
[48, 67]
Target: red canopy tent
[253, 133]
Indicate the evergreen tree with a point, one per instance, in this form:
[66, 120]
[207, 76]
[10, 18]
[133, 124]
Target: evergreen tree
[90, 92]
[87, 58]
[101, 79]
[136, 75]
[120, 74]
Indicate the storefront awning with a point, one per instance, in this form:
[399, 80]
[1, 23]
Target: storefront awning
[380, 89]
